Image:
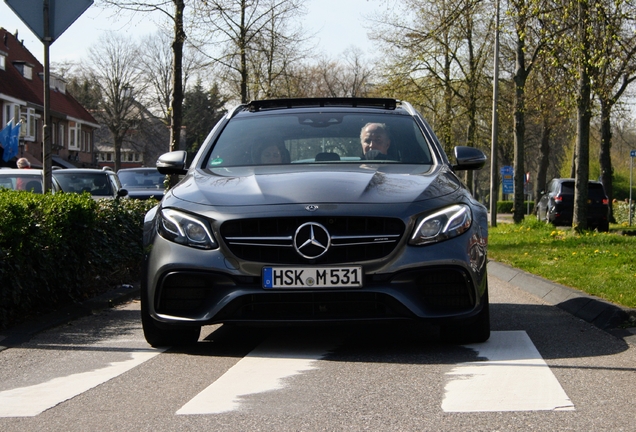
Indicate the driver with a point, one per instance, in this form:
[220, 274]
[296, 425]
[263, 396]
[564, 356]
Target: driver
[375, 141]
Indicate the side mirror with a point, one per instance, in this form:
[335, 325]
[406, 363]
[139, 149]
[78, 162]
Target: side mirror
[122, 193]
[469, 158]
[173, 162]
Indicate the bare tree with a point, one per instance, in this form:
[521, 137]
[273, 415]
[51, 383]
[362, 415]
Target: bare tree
[157, 60]
[241, 33]
[115, 70]
[174, 11]
[614, 27]
[528, 45]
[436, 52]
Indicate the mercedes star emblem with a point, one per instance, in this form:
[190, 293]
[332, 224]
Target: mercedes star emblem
[311, 240]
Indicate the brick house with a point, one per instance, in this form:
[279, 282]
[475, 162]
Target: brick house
[145, 141]
[22, 99]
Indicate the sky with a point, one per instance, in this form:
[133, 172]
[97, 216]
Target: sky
[338, 25]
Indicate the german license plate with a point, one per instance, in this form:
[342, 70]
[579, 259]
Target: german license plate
[312, 277]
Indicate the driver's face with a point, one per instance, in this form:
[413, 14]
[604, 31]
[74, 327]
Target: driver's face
[374, 138]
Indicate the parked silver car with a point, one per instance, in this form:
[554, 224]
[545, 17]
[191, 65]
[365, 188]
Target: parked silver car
[21, 179]
[314, 211]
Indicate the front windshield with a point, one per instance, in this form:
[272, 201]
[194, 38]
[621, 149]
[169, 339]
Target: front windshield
[18, 181]
[142, 179]
[95, 183]
[322, 137]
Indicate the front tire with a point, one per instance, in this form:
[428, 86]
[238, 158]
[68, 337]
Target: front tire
[162, 335]
[473, 331]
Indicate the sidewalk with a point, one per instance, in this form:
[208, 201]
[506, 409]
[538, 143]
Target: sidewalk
[603, 314]
[26, 330]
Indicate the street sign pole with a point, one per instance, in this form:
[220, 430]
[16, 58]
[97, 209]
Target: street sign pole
[46, 129]
[55, 19]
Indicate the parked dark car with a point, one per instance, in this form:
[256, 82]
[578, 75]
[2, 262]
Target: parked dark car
[101, 184]
[317, 211]
[142, 183]
[556, 205]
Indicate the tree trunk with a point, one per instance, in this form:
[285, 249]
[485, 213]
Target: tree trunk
[243, 54]
[177, 96]
[117, 141]
[584, 115]
[604, 156]
[520, 77]
[544, 161]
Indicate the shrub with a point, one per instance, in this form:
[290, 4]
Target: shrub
[620, 210]
[64, 248]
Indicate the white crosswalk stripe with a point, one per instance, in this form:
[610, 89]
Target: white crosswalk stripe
[514, 378]
[261, 370]
[33, 400]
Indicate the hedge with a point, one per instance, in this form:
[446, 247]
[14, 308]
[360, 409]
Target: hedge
[64, 248]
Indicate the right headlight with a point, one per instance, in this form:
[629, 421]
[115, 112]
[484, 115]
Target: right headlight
[185, 229]
[442, 225]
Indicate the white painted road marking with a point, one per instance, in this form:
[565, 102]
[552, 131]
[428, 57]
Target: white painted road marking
[31, 401]
[262, 370]
[514, 378]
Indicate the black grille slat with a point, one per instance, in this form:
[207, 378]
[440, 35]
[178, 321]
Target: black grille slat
[446, 290]
[353, 239]
[315, 306]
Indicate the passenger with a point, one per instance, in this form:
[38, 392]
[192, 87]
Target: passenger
[375, 141]
[272, 154]
[22, 163]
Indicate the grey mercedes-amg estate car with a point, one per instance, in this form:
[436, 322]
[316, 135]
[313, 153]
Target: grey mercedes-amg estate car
[313, 211]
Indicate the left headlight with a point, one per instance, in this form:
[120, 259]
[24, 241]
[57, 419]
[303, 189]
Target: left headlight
[185, 229]
[442, 225]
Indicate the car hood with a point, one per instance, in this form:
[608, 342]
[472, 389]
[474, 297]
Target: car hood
[272, 185]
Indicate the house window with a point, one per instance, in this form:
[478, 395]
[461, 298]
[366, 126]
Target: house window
[11, 112]
[87, 141]
[109, 157]
[29, 124]
[3, 61]
[74, 130]
[28, 72]
[53, 134]
[62, 135]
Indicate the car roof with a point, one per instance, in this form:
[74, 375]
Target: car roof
[81, 170]
[139, 169]
[14, 171]
[324, 104]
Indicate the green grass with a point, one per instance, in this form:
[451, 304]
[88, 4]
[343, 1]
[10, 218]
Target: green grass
[600, 264]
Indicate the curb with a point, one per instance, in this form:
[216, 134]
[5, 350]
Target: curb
[25, 331]
[602, 314]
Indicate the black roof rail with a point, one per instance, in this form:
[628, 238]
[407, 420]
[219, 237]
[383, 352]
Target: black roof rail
[231, 113]
[259, 105]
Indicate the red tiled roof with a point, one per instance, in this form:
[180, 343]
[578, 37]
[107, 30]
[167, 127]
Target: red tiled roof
[13, 84]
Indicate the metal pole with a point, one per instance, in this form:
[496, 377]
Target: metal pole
[494, 183]
[46, 132]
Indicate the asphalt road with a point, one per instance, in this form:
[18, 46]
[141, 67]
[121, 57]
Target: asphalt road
[543, 369]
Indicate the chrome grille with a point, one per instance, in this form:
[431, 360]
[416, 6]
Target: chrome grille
[353, 239]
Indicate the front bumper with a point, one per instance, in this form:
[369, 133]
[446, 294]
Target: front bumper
[440, 282]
